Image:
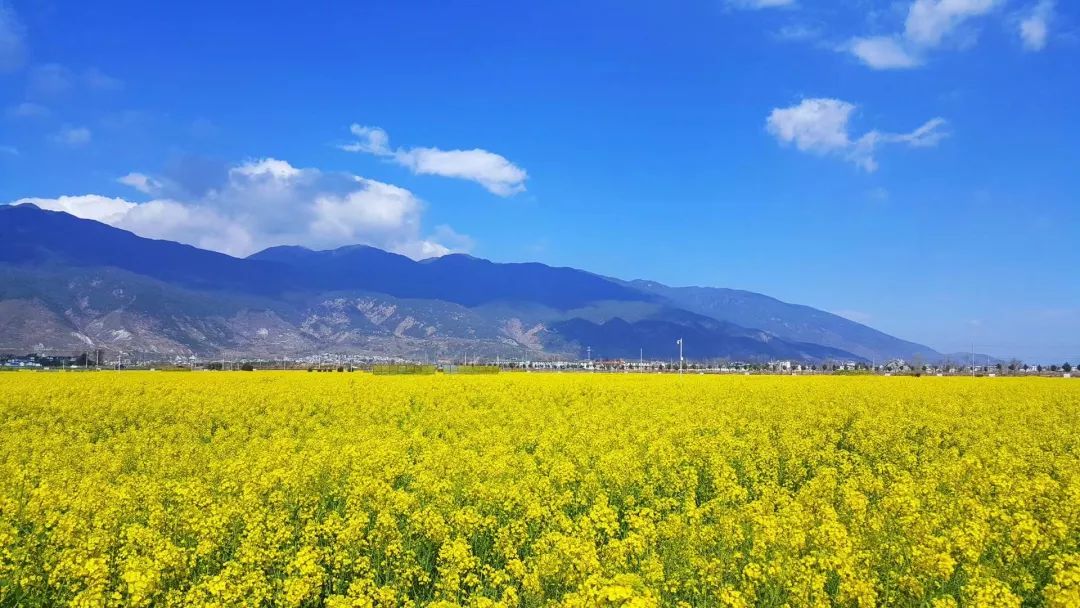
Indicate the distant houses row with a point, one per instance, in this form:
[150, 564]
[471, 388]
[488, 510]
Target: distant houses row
[894, 366]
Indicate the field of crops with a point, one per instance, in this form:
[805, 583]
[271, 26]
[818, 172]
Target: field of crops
[294, 489]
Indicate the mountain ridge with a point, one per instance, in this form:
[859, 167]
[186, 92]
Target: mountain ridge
[792, 321]
[81, 275]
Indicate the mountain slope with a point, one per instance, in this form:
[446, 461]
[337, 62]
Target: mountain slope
[79, 282]
[708, 339]
[789, 321]
[77, 307]
[457, 278]
[33, 236]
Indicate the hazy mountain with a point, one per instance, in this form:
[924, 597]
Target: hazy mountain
[703, 339]
[789, 321]
[69, 283]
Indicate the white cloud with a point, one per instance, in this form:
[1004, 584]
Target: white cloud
[195, 224]
[930, 21]
[9, 150]
[424, 249]
[926, 136]
[272, 168]
[822, 127]
[498, 175]
[492, 171]
[141, 182]
[929, 25]
[269, 202]
[1035, 27]
[73, 136]
[12, 39]
[815, 125]
[451, 240]
[884, 53]
[373, 140]
[372, 207]
[88, 206]
[759, 4]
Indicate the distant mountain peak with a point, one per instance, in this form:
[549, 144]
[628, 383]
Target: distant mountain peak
[796, 322]
[283, 249]
[163, 294]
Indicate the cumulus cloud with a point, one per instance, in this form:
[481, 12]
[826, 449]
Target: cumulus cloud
[492, 171]
[141, 182]
[815, 125]
[884, 52]
[822, 127]
[1035, 27]
[73, 137]
[498, 175]
[446, 240]
[372, 140]
[268, 202]
[87, 206]
[12, 39]
[929, 25]
[930, 21]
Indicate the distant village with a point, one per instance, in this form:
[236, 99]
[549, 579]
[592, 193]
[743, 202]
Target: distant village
[102, 360]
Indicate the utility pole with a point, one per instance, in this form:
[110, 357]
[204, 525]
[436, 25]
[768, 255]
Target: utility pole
[588, 349]
[680, 342]
[641, 359]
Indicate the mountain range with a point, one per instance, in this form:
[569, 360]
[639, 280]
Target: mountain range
[71, 284]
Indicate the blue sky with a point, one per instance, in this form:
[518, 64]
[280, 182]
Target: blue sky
[912, 165]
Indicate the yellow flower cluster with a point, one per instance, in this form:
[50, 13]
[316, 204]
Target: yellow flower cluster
[354, 490]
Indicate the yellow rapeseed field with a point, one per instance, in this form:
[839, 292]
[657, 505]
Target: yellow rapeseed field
[296, 489]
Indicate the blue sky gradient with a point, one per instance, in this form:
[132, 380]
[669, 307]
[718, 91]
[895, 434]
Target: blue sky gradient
[709, 143]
